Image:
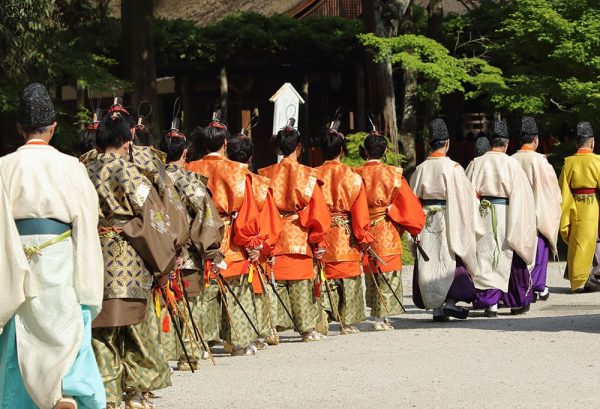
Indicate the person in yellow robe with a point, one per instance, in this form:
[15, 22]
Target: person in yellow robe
[579, 183]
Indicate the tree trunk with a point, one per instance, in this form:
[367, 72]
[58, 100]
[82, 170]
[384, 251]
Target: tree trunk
[409, 125]
[224, 94]
[361, 99]
[138, 59]
[408, 130]
[383, 17]
[435, 17]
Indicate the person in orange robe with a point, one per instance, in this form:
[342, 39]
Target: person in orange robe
[306, 219]
[231, 187]
[393, 208]
[240, 148]
[345, 195]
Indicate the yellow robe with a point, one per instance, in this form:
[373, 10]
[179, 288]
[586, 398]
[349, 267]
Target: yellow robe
[579, 218]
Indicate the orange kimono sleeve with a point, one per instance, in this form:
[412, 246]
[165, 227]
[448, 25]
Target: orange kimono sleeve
[361, 221]
[406, 210]
[316, 218]
[246, 227]
[270, 223]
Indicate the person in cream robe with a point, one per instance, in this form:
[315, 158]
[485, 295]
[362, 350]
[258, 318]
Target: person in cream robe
[510, 240]
[449, 236]
[547, 197]
[46, 358]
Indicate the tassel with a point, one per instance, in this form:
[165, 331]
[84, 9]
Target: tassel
[157, 302]
[176, 289]
[317, 289]
[250, 273]
[207, 270]
[166, 324]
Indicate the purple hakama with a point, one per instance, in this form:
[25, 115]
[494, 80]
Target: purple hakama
[461, 289]
[540, 269]
[520, 293]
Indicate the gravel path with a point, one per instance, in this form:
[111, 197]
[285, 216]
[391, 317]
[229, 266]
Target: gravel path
[546, 358]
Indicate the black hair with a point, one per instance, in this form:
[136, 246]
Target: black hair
[287, 140]
[374, 146]
[113, 132]
[87, 140]
[240, 148]
[210, 139]
[333, 144]
[437, 144]
[584, 141]
[173, 144]
[527, 138]
[498, 141]
[35, 130]
[141, 136]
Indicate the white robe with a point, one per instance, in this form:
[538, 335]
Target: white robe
[41, 182]
[14, 268]
[546, 193]
[450, 231]
[497, 174]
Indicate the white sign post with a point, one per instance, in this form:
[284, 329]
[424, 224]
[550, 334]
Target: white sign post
[287, 105]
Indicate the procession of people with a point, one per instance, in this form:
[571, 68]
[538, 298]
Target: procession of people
[131, 256]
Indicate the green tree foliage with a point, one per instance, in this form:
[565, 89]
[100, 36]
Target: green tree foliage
[439, 73]
[356, 140]
[253, 41]
[57, 42]
[548, 51]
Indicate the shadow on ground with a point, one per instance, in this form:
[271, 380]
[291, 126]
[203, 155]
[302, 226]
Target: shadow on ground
[587, 323]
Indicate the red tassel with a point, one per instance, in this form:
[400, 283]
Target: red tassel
[317, 289]
[207, 271]
[166, 324]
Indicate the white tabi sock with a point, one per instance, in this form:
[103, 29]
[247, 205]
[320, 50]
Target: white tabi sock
[545, 292]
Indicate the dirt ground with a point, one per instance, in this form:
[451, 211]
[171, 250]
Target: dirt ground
[546, 359]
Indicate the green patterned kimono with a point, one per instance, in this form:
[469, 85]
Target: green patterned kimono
[347, 298]
[380, 298]
[206, 229]
[300, 302]
[129, 355]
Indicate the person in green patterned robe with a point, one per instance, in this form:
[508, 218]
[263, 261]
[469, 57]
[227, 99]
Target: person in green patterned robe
[126, 339]
[207, 231]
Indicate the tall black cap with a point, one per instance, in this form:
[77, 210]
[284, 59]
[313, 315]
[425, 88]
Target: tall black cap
[35, 107]
[528, 126]
[500, 129]
[584, 130]
[438, 130]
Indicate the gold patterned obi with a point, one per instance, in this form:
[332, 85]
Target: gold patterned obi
[341, 243]
[125, 274]
[377, 215]
[585, 195]
[387, 235]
